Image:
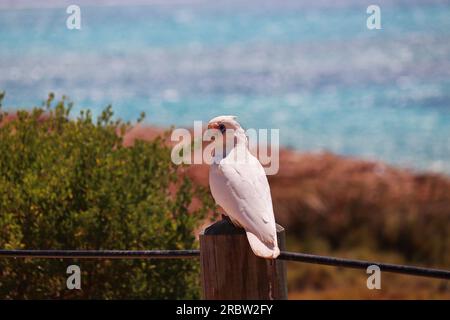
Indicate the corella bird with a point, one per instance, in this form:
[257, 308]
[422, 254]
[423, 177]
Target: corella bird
[239, 185]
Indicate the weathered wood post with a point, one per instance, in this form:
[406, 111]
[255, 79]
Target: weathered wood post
[230, 270]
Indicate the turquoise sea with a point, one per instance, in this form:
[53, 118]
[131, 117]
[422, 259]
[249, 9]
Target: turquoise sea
[311, 69]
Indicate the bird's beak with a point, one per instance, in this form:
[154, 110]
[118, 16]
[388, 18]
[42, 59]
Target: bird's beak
[213, 125]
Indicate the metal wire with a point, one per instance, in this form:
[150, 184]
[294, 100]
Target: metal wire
[100, 254]
[177, 254]
[361, 264]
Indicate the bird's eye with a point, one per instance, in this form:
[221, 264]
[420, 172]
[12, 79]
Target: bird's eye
[222, 128]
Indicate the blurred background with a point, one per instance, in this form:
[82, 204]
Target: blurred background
[310, 68]
[364, 115]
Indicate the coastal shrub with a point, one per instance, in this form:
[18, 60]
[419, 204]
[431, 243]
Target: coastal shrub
[69, 183]
[345, 205]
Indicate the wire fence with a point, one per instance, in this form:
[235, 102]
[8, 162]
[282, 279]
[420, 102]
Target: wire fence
[101, 254]
[178, 254]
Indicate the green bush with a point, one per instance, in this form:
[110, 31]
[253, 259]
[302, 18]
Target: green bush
[69, 183]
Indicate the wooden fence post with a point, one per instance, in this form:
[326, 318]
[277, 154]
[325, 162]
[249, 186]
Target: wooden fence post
[230, 269]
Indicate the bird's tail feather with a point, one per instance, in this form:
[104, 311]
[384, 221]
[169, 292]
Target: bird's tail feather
[261, 249]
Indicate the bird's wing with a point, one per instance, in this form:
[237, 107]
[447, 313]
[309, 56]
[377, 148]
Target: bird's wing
[242, 190]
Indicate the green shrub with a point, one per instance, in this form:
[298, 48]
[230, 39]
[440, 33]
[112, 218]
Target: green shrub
[69, 183]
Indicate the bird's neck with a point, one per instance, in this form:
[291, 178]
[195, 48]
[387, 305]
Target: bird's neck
[240, 138]
[237, 141]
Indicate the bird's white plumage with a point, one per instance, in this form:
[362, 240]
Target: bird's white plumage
[242, 190]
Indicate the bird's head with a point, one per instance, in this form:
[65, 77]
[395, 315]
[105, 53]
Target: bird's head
[222, 123]
[230, 130]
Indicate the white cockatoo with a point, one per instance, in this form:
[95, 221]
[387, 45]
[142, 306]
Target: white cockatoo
[239, 185]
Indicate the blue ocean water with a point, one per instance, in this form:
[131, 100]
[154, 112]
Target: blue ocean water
[313, 69]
